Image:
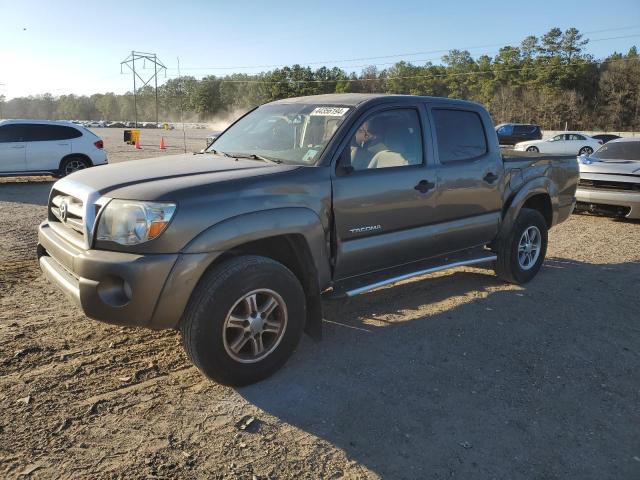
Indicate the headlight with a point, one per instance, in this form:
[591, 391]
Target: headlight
[129, 222]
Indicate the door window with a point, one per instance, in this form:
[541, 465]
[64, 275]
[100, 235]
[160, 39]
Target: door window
[392, 138]
[44, 133]
[12, 133]
[523, 129]
[460, 135]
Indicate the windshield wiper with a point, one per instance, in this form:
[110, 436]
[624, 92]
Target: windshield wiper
[218, 152]
[255, 156]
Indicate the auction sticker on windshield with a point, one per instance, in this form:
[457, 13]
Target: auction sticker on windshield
[329, 111]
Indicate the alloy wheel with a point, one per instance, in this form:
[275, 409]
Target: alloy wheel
[529, 247]
[255, 326]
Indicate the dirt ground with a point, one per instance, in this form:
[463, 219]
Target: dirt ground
[453, 376]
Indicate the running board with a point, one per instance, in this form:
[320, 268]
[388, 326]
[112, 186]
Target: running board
[346, 290]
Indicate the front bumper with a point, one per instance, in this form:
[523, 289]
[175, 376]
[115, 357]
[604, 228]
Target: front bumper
[114, 287]
[625, 199]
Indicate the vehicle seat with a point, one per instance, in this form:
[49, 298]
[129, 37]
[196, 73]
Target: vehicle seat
[399, 142]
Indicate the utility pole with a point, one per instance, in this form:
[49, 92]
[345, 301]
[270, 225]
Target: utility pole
[158, 66]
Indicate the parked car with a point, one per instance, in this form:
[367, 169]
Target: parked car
[116, 125]
[610, 179]
[569, 143]
[37, 147]
[330, 195]
[512, 133]
[605, 137]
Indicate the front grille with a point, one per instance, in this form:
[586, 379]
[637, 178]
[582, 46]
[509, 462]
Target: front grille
[67, 210]
[609, 185]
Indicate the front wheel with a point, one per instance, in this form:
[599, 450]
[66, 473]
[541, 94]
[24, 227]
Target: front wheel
[522, 251]
[244, 320]
[585, 151]
[533, 149]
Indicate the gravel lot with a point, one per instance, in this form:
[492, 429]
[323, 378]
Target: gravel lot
[456, 375]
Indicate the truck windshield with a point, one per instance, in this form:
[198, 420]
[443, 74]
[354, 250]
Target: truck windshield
[629, 150]
[287, 133]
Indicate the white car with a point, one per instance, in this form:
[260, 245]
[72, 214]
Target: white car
[569, 143]
[41, 147]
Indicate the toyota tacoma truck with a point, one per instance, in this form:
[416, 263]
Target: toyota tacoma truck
[299, 200]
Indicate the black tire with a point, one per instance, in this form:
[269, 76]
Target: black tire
[72, 164]
[508, 266]
[533, 149]
[202, 326]
[585, 151]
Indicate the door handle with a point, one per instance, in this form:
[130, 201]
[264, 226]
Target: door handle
[63, 144]
[490, 177]
[424, 186]
[18, 146]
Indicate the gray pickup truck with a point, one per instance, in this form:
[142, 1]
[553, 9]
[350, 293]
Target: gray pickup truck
[299, 200]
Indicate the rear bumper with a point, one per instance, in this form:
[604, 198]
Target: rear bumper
[630, 200]
[118, 288]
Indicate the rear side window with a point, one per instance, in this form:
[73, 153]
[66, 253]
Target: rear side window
[43, 133]
[525, 129]
[12, 133]
[460, 135]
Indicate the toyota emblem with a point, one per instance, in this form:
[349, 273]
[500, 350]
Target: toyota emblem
[63, 211]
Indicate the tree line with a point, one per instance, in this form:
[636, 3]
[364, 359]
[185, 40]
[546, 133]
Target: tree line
[549, 80]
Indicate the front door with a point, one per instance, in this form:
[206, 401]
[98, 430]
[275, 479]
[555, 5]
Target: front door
[12, 148]
[383, 192]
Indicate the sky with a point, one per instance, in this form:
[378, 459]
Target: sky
[69, 46]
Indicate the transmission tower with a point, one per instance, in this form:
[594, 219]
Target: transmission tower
[158, 66]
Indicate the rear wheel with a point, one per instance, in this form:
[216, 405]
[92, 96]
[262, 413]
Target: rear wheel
[533, 149]
[244, 320]
[522, 251]
[585, 151]
[73, 164]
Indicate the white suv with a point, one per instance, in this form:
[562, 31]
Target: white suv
[37, 147]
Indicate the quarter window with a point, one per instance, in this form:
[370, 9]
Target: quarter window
[460, 135]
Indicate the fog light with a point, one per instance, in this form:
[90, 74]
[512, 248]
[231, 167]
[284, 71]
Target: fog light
[114, 291]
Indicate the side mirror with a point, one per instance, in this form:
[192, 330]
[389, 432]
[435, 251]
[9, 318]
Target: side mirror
[344, 163]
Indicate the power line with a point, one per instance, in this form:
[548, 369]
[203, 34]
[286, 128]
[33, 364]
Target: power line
[382, 79]
[409, 54]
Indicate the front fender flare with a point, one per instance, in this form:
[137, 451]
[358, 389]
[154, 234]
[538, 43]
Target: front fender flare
[253, 226]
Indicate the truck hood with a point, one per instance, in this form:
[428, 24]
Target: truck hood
[154, 177]
[609, 167]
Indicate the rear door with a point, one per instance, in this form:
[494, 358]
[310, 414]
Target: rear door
[12, 148]
[522, 133]
[470, 176]
[47, 145]
[383, 191]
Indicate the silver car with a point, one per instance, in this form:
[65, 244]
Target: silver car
[610, 179]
